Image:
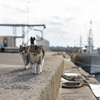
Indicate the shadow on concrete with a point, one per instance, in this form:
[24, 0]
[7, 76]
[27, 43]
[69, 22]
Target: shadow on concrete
[18, 79]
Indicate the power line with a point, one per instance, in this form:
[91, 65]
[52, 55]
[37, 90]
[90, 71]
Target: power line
[63, 38]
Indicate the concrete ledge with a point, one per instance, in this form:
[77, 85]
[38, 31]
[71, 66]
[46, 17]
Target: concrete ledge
[82, 93]
[11, 49]
[20, 84]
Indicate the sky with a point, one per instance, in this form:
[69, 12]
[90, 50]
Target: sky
[65, 20]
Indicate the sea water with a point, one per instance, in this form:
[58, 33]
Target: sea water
[97, 77]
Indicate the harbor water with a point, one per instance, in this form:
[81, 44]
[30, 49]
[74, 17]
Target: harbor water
[97, 77]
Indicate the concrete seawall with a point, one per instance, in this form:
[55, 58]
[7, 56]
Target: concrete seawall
[51, 91]
[81, 93]
[19, 84]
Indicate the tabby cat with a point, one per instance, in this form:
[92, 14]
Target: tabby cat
[37, 55]
[34, 55]
[25, 55]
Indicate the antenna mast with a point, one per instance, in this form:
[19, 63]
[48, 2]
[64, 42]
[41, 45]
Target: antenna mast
[80, 41]
[90, 39]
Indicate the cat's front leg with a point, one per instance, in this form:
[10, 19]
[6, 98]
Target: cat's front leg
[33, 68]
[39, 69]
[40, 66]
[26, 62]
[26, 67]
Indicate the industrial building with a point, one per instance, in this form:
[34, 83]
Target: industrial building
[42, 41]
[7, 41]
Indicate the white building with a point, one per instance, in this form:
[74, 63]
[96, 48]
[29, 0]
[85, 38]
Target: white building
[43, 42]
[7, 41]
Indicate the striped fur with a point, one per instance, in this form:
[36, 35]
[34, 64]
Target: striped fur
[25, 55]
[37, 55]
[33, 55]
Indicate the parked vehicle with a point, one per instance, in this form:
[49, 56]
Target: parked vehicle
[2, 48]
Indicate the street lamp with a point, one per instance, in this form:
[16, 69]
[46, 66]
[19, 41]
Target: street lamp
[27, 10]
[27, 16]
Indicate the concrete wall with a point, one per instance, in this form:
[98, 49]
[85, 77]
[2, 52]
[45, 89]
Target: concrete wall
[43, 42]
[52, 90]
[10, 41]
[21, 84]
[1, 40]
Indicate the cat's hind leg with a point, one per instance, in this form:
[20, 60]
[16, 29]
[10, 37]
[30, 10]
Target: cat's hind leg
[33, 68]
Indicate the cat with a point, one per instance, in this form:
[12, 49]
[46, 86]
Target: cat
[25, 55]
[37, 55]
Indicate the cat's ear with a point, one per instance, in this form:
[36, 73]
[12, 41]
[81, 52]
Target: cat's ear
[20, 46]
[41, 46]
[27, 47]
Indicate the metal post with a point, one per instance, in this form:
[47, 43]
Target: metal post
[42, 34]
[23, 31]
[13, 36]
[27, 11]
[23, 35]
[27, 19]
[13, 39]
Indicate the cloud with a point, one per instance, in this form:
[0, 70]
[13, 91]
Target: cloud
[55, 17]
[5, 6]
[20, 10]
[6, 31]
[69, 19]
[54, 23]
[72, 8]
[7, 20]
[65, 17]
[56, 31]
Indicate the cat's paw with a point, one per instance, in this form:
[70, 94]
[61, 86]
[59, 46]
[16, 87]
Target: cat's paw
[38, 72]
[33, 72]
[26, 67]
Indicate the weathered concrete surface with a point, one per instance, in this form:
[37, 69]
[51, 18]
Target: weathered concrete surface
[82, 93]
[19, 84]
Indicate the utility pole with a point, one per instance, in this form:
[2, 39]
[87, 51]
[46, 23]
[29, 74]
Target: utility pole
[80, 42]
[27, 17]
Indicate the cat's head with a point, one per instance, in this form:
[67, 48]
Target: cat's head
[35, 49]
[23, 50]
